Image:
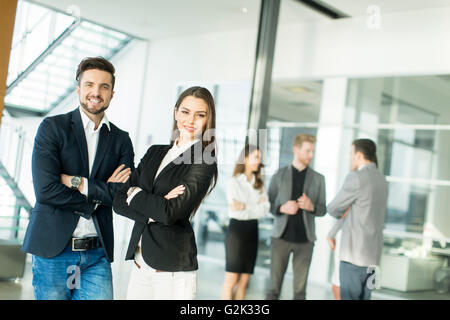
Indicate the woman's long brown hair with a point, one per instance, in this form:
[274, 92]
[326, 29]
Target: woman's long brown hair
[240, 166]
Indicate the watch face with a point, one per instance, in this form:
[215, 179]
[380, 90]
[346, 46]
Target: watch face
[75, 181]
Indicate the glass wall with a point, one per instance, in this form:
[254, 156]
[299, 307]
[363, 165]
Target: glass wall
[290, 100]
[409, 118]
[294, 107]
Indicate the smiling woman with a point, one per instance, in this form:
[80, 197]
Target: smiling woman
[191, 118]
[195, 116]
[162, 195]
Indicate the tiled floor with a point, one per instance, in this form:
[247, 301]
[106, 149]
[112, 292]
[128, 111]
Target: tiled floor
[210, 279]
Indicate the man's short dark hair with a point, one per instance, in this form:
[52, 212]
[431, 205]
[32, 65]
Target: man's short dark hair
[98, 63]
[368, 148]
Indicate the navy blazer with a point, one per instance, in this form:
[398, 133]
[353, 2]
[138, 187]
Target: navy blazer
[168, 244]
[60, 147]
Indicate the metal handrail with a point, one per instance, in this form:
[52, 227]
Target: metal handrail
[42, 56]
[13, 137]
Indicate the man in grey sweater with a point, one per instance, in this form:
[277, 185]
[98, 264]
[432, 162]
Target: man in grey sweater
[364, 193]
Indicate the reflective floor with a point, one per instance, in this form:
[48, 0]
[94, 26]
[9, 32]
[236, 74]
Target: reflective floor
[210, 279]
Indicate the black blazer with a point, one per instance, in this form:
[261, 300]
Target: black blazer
[168, 243]
[60, 147]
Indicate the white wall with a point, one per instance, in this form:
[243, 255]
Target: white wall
[413, 42]
[205, 58]
[328, 147]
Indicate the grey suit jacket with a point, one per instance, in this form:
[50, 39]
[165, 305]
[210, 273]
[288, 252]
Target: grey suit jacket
[280, 191]
[365, 191]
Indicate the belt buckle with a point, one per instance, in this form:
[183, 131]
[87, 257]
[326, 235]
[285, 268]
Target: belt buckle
[73, 245]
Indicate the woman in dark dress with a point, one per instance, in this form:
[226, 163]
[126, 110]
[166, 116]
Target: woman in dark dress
[248, 202]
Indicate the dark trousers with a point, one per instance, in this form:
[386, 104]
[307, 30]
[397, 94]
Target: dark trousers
[302, 254]
[353, 281]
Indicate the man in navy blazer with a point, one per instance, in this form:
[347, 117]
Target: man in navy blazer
[80, 160]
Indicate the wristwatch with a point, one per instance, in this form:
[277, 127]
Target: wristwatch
[75, 182]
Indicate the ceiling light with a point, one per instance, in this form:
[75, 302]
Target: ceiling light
[298, 89]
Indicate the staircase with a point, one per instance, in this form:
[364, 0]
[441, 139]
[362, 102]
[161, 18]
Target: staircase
[46, 50]
[15, 176]
[15, 207]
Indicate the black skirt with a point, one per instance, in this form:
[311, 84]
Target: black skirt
[241, 246]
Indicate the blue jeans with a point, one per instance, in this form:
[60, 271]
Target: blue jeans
[73, 275]
[354, 282]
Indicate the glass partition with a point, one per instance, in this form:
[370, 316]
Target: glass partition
[409, 119]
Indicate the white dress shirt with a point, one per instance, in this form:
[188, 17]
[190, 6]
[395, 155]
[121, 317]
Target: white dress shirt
[86, 227]
[240, 189]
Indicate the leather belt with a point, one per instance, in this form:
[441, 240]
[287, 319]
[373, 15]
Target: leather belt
[84, 244]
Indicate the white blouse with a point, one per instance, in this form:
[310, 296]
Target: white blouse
[240, 189]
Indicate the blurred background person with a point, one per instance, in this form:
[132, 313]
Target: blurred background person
[248, 201]
[297, 197]
[364, 196]
[334, 234]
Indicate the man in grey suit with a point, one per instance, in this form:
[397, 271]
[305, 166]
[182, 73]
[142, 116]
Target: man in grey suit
[297, 197]
[364, 195]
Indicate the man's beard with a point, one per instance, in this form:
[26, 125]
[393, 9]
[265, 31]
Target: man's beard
[85, 107]
[304, 162]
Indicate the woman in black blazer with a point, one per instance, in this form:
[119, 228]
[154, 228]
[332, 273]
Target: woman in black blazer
[162, 196]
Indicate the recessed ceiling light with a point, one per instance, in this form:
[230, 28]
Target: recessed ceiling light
[244, 9]
[298, 89]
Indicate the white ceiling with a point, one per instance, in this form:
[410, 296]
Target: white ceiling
[152, 19]
[295, 101]
[359, 7]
